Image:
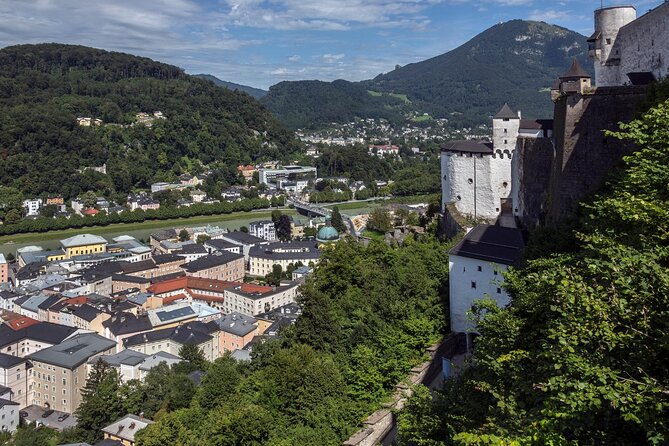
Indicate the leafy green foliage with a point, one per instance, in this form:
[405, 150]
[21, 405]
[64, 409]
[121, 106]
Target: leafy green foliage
[581, 354]
[44, 88]
[337, 221]
[380, 220]
[369, 313]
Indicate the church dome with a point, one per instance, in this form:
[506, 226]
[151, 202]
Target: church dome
[327, 234]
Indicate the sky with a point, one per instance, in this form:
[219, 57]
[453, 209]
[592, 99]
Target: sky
[262, 42]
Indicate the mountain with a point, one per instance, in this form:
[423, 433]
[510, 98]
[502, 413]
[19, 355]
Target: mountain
[253, 92]
[45, 88]
[513, 62]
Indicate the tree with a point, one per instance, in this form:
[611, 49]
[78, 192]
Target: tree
[337, 221]
[219, 383]
[379, 220]
[276, 215]
[274, 278]
[13, 216]
[202, 238]
[192, 354]
[101, 403]
[184, 235]
[30, 435]
[283, 228]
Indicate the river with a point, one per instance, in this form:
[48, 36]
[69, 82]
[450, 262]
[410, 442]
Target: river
[230, 222]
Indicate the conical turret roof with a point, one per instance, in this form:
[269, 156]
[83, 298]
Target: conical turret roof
[506, 113]
[575, 71]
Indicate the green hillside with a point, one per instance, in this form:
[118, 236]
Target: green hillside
[511, 62]
[251, 91]
[44, 88]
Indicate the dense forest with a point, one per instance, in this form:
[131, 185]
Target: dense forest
[44, 88]
[515, 62]
[581, 355]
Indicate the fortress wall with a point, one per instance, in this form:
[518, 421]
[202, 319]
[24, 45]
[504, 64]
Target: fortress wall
[584, 155]
[535, 156]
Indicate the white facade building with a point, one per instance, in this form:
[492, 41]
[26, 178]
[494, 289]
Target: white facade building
[476, 266]
[630, 50]
[32, 207]
[263, 229]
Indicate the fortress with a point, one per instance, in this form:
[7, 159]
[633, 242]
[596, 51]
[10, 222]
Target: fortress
[539, 170]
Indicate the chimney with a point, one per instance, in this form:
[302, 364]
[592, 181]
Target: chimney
[520, 116]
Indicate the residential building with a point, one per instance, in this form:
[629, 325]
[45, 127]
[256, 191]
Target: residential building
[124, 325]
[263, 229]
[14, 376]
[251, 299]
[9, 412]
[244, 240]
[287, 173]
[83, 244]
[237, 330]
[216, 245]
[32, 206]
[125, 429]
[4, 269]
[171, 340]
[171, 315]
[143, 202]
[191, 252]
[476, 267]
[247, 172]
[263, 258]
[221, 265]
[59, 373]
[132, 364]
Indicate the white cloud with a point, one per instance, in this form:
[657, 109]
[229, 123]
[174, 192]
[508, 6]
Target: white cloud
[331, 58]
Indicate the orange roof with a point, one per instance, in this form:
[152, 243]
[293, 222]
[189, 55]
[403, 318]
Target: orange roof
[170, 299]
[79, 300]
[91, 211]
[242, 168]
[21, 323]
[207, 298]
[195, 283]
[251, 288]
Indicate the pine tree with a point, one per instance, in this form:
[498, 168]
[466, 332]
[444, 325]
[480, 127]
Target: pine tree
[337, 221]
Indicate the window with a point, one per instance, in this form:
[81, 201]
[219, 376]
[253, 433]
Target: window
[494, 273]
[608, 41]
[470, 181]
[473, 284]
[499, 291]
[506, 141]
[479, 268]
[505, 131]
[505, 184]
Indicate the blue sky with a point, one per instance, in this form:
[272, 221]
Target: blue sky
[262, 42]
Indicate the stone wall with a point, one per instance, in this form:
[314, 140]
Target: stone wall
[584, 155]
[534, 156]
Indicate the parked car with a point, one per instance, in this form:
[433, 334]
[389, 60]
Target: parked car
[63, 417]
[47, 413]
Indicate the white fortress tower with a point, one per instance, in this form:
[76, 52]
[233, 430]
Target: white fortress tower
[628, 50]
[477, 176]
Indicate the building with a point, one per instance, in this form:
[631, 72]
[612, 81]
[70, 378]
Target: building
[627, 50]
[289, 173]
[171, 340]
[32, 337]
[9, 412]
[246, 241]
[59, 373]
[222, 265]
[479, 178]
[263, 258]
[247, 172]
[216, 245]
[237, 330]
[263, 229]
[125, 429]
[32, 207]
[4, 269]
[143, 202]
[384, 150]
[171, 315]
[132, 364]
[14, 376]
[476, 265]
[83, 244]
[251, 300]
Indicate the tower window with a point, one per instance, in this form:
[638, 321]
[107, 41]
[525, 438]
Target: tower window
[473, 284]
[470, 181]
[506, 119]
[499, 291]
[506, 141]
[459, 197]
[608, 41]
[505, 131]
[505, 184]
[479, 268]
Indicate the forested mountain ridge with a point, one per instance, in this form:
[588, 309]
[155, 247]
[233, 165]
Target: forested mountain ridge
[252, 91]
[515, 62]
[45, 87]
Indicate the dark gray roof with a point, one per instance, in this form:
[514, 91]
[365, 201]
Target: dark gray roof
[7, 361]
[129, 279]
[243, 238]
[194, 248]
[168, 315]
[297, 251]
[184, 334]
[220, 244]
[75, 351]
[492, 244]
[212, 260]
[86, 312]
[46, 332]
[537, 124]
[165, 234]
[167, 277]
[143, 265]
[125, 357]
[575, 71]
[49, 302]
[4, 402]
[468, 146]
[124, 323]
[237, 324]
[506, 113]
[6, 294]
[166, 258]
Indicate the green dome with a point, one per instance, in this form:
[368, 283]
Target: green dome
[327, 233]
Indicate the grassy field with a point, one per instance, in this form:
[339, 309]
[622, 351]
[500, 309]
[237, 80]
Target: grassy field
[401, 97]
[374, 235]
[121, 227]
[422, 118]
